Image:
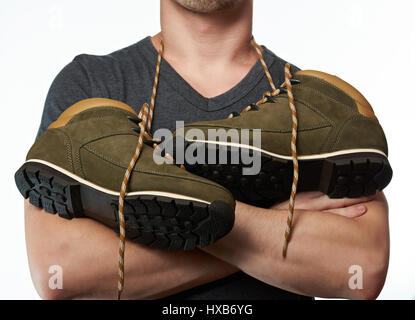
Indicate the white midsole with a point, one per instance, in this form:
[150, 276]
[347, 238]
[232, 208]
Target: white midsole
[305, 157]
[114, 193]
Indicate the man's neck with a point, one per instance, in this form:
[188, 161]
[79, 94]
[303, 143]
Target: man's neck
[207, 43]
[220, 35]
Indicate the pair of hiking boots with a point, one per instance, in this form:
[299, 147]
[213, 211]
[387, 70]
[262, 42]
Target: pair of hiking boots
[76, 167]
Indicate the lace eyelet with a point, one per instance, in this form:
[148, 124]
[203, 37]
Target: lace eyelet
[254, 107]
[234, 114]
[295, 81]
[137, 130]
[134, 119]
[270, 99]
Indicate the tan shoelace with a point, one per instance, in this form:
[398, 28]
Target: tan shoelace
[267, 95]
[146, 115]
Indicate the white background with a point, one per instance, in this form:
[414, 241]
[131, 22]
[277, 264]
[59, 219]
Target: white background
[368, 43]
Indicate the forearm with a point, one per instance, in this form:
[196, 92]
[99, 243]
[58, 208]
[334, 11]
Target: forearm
[87, 253]
[322, 248]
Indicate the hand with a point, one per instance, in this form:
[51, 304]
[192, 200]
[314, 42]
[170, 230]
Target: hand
[351, 208]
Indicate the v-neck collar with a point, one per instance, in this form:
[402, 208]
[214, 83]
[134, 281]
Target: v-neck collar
[221, 101]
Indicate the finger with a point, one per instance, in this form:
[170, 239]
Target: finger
[303, 200]
[349, 212]
[280, 206]
[346, 202]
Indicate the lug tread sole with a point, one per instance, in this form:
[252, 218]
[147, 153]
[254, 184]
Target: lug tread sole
[156, 221]
[350, 175]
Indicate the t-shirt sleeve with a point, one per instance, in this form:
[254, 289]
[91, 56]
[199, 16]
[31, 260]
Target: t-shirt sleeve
[69, 86]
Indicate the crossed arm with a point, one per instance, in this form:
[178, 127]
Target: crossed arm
[328, 237]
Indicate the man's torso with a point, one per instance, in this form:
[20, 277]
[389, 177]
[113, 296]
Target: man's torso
[127, 75]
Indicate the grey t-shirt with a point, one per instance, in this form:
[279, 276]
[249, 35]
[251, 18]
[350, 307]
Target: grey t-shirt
[127, 75]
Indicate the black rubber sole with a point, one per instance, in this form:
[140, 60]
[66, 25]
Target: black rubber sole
[350, 175]
[156, 221]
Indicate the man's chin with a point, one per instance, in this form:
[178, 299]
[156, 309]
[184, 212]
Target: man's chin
[207, 6]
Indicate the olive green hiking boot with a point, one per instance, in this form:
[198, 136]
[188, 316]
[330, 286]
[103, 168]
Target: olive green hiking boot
[341, 147]
[77, 166]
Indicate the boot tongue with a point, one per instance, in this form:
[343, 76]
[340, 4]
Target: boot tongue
[362, 104]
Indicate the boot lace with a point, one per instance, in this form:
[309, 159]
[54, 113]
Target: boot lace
[144, 121]
[269, 96]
